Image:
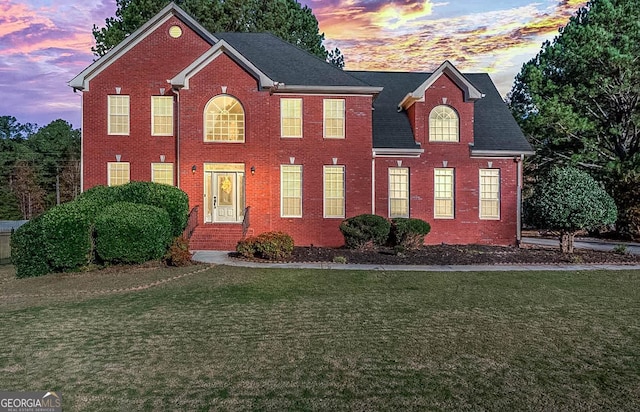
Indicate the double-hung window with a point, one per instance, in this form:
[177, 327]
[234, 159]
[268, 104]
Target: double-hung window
[290, 117]
[162, 173]
[291, 190]
[443, 189]
[117, 173]
[161, 116]
[334, 113]
[118, 115]
[334, 189]
[398, 192]
[490, 194]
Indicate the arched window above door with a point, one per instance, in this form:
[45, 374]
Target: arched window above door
[224, 120]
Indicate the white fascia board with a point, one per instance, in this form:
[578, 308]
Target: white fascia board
[500, 153]
[181, 80]
[391, 152]
[324, 90]
[470, 91]
[81, 81]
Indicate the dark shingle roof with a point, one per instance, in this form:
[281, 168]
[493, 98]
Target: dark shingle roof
[494, 125]
[495, 129]
[391, 129]
[286, 63]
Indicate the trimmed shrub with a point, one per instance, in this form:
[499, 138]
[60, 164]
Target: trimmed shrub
[409, 232]
[365, 230]
[132, 233]
[67, 240]
[178, 253]
[169, 198]
[27, 253]
[268, 245]
[247, 247]
[274, 245]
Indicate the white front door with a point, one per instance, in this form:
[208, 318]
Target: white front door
[228, 196]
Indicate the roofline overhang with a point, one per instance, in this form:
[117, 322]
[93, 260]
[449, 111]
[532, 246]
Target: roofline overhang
[500, 153]
[81, 81]
[285, 88]
[181, 80]
[395, 152]
[471, 93]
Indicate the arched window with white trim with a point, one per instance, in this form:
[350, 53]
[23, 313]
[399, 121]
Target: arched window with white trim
[224, 120]
[444, 125]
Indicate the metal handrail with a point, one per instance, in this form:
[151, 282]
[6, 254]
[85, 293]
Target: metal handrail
[192, 222]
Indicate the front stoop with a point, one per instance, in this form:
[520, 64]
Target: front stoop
[217, 237]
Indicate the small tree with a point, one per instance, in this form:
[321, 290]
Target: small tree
[569, 200]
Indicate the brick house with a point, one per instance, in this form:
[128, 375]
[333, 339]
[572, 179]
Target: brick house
[242, 120]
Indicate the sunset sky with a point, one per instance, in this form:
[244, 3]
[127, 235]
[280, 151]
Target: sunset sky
[45, 43]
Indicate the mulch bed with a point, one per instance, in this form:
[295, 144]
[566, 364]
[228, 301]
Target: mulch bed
[459, 255]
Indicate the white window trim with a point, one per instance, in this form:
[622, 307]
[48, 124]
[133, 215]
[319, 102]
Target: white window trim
[324, 119]
[282, 168]
[282, 134]
[109, 172]
[205, 126]
[172, 173]
[109, 132]
[324, 192]
[408, 197]
[432, 135]
[153, 116]
[453, 194]
[481, 215]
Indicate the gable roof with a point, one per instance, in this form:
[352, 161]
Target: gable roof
[182, 78]
[496, 132]
[294, 69]
[81, 81]
[470, 91]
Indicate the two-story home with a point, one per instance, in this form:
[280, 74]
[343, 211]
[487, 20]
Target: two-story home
[260, 132]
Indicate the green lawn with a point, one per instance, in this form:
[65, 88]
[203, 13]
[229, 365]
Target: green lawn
[229, 338]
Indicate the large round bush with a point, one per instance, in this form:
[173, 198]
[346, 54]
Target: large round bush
[169, 198]
[67, 236]
[27, 253]
[132, 233]
[363, 230]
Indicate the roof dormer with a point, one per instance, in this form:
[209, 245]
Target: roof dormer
[471, 93]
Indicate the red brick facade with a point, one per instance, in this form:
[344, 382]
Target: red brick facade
[144, 69]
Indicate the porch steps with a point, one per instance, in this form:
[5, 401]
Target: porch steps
[216, 237]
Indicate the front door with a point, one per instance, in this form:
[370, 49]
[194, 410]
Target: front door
[228, 196]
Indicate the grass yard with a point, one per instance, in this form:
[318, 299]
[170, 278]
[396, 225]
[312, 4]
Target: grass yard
[226, 338]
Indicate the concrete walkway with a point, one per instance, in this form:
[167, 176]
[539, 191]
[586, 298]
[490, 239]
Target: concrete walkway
[222, 258]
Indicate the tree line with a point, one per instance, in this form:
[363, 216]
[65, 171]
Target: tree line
[578, 103]
[39, 167]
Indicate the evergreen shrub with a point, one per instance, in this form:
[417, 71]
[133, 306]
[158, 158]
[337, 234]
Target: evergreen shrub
[27, 254]
[169, 198]
[132, 233]
[409, 232]
[365, 230]
[66, 236]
